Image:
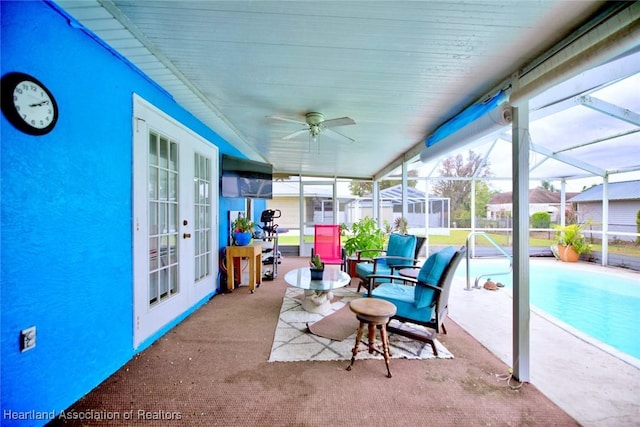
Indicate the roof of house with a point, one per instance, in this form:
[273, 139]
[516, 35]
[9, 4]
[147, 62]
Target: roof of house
[536, 195]
[414, 195]
[627, 190]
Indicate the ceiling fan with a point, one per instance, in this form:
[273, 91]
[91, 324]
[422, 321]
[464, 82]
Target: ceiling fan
[315, 123]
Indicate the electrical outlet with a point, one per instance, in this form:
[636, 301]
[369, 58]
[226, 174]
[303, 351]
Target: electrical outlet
[27, 339]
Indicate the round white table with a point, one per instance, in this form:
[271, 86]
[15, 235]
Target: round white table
[317, 293]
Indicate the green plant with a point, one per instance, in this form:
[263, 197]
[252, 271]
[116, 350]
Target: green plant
[540, 220]
[316, 262]
[571, 235]
[365, 234]
[243, 225]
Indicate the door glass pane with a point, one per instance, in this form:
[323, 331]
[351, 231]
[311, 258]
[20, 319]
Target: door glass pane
[164, 184]
[153, 183]
[173, 157]
[173, 250]
[153, 253]
[153, 149]
[164, 153]
[163, 218]
[173, 186]
[202, 229]
[173, 289]
[164, 251]
[173, 218]
[164, 283]
[153, 288]
[153, 218]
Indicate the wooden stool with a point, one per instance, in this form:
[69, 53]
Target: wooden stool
[374, 313]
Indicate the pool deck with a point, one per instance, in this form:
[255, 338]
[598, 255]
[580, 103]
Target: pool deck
[594, 386]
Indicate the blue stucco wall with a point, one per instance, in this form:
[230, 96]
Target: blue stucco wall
[66, 228]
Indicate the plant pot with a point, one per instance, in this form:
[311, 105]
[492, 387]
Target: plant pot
[242, 238]
[568, 253]
[316, 273]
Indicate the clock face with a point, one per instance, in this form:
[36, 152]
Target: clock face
[28, 104]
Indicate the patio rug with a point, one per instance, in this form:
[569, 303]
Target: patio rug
[294, 341]
[340, 325]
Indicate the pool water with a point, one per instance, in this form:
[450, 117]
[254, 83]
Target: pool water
[605, 306]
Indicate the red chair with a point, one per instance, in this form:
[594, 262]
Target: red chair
[326, 244]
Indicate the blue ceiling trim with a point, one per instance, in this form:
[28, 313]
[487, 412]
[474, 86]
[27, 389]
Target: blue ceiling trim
[466, 116]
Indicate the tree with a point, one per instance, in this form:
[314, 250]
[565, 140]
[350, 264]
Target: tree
[459, 190]
[546, 185]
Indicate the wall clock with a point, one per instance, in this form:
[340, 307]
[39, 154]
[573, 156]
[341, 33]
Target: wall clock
[28, 104]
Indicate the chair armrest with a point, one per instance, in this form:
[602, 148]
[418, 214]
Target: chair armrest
[416, 266]
[399, 258]
[427, 285]
[393, 257]
[359, 254]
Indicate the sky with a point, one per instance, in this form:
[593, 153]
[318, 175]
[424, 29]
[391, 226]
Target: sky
[598, 130]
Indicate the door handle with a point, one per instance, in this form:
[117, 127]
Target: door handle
[186, 235]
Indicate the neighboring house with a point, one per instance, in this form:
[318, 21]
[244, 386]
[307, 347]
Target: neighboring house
[624, 205]
[500, 205]
[318, 204]
[391, 207]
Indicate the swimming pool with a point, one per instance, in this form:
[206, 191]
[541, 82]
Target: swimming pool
[602, 304]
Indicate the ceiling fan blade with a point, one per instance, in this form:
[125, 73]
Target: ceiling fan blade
[296, 133]
[342, 121]
[331, 131]
[284, 119]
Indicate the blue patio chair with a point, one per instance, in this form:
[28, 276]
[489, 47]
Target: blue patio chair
[422, 301]
[400, 253]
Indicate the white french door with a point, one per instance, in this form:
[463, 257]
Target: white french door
[175, 216]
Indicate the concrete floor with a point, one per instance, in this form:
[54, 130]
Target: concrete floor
[596, 387]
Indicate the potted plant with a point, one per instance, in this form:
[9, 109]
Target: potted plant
[316, 267]
[243, 231]
[365, 234]
[571, 243]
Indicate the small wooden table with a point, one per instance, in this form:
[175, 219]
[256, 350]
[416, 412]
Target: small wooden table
[374, 313]
[254, 254]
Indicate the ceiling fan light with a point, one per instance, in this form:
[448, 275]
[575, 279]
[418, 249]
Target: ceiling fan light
[314, 130]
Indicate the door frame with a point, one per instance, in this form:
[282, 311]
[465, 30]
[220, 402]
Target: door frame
[150, 321]
[305, 248]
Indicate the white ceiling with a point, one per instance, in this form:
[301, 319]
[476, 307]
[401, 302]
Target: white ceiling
[399, 69]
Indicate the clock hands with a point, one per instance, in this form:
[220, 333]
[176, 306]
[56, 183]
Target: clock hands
[39, 104]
